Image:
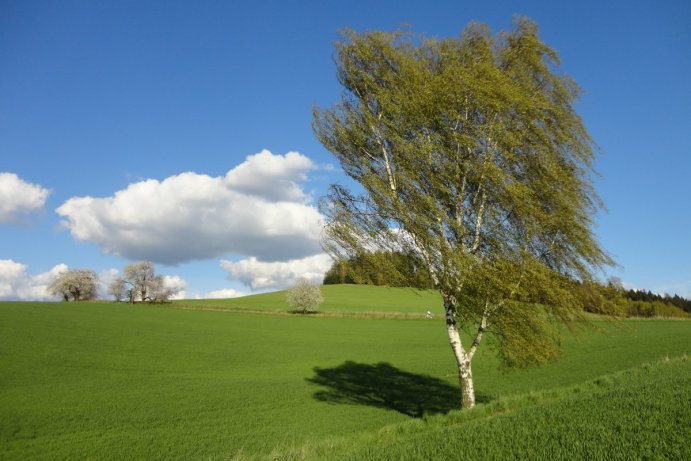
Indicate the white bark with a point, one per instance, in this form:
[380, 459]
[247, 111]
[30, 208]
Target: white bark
[385, 155]
[480, 330]
[463, 359]
[478, 224]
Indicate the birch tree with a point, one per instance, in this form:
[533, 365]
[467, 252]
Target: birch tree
[470, 157]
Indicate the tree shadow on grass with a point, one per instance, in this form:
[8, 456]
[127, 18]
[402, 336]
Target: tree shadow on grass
[385, 386]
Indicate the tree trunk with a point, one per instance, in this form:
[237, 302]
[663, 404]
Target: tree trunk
[465, 378]
[465, 374]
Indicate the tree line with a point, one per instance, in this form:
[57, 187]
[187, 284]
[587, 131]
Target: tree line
[646, 296]
[139, 283]
[397, 269]
[394, 269]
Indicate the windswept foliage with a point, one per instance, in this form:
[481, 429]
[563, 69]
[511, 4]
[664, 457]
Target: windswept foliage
[472, 158]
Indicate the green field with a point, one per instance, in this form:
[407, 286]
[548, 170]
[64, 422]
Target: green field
[115, 381]
[642, 413]
[339, 300]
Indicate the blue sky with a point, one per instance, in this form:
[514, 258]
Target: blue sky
[145, 123]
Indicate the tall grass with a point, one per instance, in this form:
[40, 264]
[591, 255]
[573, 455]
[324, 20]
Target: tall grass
[642, 413]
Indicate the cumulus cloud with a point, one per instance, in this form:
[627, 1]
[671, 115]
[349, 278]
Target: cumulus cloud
[18, 197]
[177, 283]
[222, 294]
[105, 279]
[17, 284]
[257, 209]
[261, 275]
[273, 177]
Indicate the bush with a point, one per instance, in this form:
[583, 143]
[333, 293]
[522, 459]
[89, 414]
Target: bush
[304, 296]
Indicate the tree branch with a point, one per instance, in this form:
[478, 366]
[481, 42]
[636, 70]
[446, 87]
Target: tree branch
[387, 164]
[478, 223]
[480, 330]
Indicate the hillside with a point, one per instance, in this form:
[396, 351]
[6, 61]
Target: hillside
[338, 299]
[641, 413]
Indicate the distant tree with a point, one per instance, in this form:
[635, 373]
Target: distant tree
[340, 272]
[140, 283]
[139, 276]
[616, 283]
[304, 296]
[471, 157]
[118, 289]
[159, 292]
[389, 268]
[75, 285]
[648, 296]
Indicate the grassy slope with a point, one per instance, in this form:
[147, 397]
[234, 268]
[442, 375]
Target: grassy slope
[345, 299]
[642, 413]
[122, 382]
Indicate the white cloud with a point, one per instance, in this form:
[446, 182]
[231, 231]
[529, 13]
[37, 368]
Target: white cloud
[16, 284]
[261, 275]
[222, 294]
[273, 177]
[256, 210]
[177, 283]
[18, 197]
[105, 279]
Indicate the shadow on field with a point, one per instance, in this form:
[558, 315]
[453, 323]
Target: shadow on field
[385, 386]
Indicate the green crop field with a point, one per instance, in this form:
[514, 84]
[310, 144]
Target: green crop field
[642, 413]
[116, 381]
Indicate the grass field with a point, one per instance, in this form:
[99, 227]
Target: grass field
[340, 300]
[642, 413]
[108, 381]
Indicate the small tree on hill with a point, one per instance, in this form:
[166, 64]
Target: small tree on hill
[75, 285]
[118, 289]
[304, 296]
[140, 283]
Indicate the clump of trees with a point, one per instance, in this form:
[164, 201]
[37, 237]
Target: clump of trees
[612, 297]
[390, 268]
[646, 296]
[139, 282]
[75, 285]
[305, 296]
[471, 157]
